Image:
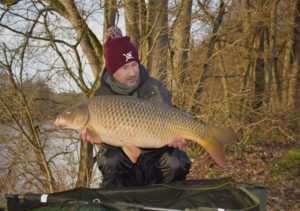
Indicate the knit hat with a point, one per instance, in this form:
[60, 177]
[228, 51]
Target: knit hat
[118, 50]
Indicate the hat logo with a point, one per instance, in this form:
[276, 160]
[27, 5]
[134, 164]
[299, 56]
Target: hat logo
[128, 56]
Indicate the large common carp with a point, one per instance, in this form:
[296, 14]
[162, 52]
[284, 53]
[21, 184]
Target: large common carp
[133, 123]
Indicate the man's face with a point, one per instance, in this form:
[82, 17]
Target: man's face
[128, 74]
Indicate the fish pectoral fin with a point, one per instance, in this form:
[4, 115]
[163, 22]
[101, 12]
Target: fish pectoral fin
[95, 137]
[132, 152]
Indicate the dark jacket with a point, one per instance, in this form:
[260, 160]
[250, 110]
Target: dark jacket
[149, 88]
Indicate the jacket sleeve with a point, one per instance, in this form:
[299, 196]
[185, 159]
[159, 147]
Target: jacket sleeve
[166, 94]
[103, 90]
[155, 91]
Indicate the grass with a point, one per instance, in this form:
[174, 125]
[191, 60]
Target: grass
[288, 162]
[293, 155]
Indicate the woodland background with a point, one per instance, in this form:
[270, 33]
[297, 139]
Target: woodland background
[230, 63]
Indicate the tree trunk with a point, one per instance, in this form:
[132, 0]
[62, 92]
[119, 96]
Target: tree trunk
[272, 60]
[293, 92]
[110, 11]
[158, 39]
[286, 71]
[180, 40]
[249, 43]
[143, 48]
[259, 74]
[40, 156]
[132, 21]
[277, 84]
[85, 165]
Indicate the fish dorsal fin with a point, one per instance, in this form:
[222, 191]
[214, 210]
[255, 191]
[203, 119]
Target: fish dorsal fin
[132, 152]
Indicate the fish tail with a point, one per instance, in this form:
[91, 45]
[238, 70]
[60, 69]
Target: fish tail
[213, 139]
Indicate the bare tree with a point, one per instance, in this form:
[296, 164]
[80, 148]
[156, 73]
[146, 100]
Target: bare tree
[69, 56]
[22, 116]
[91, 47]
[92, 50]
[215, 24]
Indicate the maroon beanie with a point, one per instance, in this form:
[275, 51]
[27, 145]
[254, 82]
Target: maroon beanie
[118, 50]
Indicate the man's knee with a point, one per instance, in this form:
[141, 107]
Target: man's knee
[110, 160]
[177, 160]
[175, 165]
[116, 169]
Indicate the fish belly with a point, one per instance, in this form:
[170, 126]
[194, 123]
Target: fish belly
[139, 137]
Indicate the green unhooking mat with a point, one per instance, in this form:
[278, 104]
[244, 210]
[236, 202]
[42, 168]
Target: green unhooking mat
[217, 194]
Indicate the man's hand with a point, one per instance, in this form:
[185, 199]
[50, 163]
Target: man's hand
[177, 142]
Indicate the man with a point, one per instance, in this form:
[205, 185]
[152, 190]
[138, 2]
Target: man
[124, 75]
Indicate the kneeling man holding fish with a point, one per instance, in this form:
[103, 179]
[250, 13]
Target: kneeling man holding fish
[132, 115]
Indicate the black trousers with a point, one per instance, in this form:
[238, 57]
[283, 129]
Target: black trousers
[154, 166]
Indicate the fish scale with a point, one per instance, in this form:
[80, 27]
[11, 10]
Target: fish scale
[133, 123]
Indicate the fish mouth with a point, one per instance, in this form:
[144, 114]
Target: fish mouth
[58, 123]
